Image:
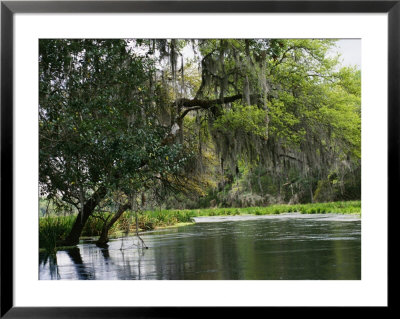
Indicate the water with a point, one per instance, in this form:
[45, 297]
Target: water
[278, 247]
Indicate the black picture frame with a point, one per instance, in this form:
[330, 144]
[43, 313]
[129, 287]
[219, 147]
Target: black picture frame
[9, 8]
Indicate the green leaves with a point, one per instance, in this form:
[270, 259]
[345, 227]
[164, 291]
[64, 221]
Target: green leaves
[95, 106]
[240, 118]
[106, 109]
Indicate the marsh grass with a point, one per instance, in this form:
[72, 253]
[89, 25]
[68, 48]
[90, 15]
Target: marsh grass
[348, 207]
[53, 229]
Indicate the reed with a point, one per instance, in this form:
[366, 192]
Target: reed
[53, 229]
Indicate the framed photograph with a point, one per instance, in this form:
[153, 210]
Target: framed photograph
[161, 156]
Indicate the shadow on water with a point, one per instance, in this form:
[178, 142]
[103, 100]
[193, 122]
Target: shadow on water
[81, 270]
[50, 260]
[106, 254]
[295, 248]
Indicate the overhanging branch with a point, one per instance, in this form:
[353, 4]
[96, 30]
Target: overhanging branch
[198, 104]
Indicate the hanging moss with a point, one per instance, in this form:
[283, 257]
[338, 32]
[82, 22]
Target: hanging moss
[265, 74]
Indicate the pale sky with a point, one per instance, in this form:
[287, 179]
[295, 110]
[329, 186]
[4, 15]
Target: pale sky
[350, 50]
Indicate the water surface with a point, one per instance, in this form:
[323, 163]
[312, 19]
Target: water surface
[286, 246]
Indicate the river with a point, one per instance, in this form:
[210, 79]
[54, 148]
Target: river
[274, 247]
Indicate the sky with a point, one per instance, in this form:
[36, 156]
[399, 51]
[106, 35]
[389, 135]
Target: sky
[350, 50]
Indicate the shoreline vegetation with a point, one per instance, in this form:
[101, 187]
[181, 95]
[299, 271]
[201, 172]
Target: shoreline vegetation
[53, 228]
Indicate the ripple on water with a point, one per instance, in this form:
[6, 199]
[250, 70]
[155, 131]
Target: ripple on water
[287, 246]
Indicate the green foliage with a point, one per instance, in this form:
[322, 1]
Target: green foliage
[52, 230]
[242, 118]
[97, 122]
[246, 122]
[341, 207]
[303, 121]
[98, 126]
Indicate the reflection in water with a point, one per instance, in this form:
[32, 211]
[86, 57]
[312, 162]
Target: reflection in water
[49, 261]
[286, 247]
[106, 254]
[82, 271]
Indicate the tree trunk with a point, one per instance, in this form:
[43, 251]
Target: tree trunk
[311, 194]
[103, 239]
[80, 221]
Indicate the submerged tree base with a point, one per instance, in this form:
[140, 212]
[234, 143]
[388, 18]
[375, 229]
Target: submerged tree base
[153, 220]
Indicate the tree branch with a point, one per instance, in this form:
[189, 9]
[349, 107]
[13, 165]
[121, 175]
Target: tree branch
[197, 104]
[291, 157]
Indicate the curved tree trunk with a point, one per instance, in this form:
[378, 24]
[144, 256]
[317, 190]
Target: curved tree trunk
[103, 239]
[88, 209]
[80, 221]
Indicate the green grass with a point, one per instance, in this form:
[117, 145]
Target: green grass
[53, 229]
[347, 207]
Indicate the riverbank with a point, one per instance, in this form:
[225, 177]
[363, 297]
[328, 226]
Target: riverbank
[53, 229]
[348, 207]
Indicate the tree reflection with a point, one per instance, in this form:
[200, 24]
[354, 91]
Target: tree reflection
[288, 249]
[81, 270]
[51, 259]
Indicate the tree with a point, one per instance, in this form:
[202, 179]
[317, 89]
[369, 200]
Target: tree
[135, 116]
[278, 104]
[97, 130]
[315, 117]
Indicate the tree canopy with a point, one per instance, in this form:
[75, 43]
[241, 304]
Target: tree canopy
[277, 120]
